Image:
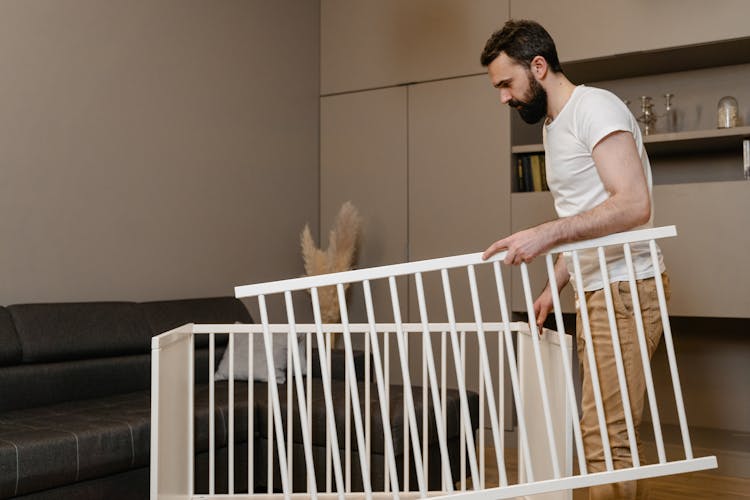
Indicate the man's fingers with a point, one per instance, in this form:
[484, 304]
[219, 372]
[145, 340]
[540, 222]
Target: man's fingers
[493, 249]
[541, 316]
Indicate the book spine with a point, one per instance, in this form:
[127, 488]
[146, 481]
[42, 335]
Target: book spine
[526, 160]
[536, 173]
[521, 186]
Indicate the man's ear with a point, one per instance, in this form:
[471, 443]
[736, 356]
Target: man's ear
[539, 67]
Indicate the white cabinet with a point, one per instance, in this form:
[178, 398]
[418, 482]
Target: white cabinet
[363, 155]
[370, 44]
[459, 199]
[585, 29]
[708, 260]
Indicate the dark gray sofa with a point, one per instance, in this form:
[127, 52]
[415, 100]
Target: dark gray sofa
[75, 401]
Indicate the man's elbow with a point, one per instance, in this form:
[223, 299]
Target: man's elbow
[641, 213]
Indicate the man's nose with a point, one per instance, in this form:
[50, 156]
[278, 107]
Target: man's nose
[505, 96]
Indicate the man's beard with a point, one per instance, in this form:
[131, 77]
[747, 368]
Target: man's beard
[534, 106]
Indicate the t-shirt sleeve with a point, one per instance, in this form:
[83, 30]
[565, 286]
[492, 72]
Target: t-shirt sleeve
[600, 114]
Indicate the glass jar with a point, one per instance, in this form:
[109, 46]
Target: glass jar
[727, 112]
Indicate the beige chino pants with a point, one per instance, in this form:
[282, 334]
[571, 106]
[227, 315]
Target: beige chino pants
[608, 381]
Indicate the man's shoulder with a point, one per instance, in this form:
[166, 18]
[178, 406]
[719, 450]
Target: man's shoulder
[597, 95]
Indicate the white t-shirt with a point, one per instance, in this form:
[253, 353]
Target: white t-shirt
[589, 116]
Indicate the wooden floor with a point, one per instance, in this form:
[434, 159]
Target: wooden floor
[695, 485]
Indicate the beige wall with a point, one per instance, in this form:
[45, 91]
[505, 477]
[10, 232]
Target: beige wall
[155, 149]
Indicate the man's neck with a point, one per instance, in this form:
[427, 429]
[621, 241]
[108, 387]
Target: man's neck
[559, 89]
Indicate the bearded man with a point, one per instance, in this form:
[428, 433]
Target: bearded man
[600, 177]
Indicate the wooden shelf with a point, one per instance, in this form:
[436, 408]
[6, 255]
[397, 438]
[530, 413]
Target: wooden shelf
[723, 139]
[690, 141]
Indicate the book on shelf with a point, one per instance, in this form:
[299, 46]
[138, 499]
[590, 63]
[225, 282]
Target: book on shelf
[531, 174]
[521, 186]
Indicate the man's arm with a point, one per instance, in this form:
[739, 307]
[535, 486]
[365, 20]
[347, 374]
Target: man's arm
[628, 206]
[544, 304]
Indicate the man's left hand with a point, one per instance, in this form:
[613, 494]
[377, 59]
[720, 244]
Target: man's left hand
[523, 246]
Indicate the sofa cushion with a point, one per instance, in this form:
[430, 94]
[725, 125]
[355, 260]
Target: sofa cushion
[166, 315]
[66, 331]
[60, 444]
[10, 347]
[47, 447]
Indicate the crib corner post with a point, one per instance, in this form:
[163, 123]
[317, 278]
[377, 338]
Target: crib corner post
[171, 473]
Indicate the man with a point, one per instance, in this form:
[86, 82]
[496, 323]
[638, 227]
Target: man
[600, 178]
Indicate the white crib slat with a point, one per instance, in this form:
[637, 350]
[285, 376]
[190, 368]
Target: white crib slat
[324, 355]
[459, 360]
[403, 355]
[624, 394]
[230, 434]
[308, 371]
[191, 421]
[269, 432]
[406, 456]
[644, 354]
[437, 407]
[289, 412]
[359, 428]
[250, 414]
[387, 371]
[329, 432]
[669, 344]
[211, 417]
[513, 369]
[425, 416]
[593, 370]
[482, 444]
[485, 363]
[501, 390]
[466, 435]
[279, 426]
[567, 366]
[368, 405]
[347, 430]
[390, 457]
[293, 346]
[444, 396]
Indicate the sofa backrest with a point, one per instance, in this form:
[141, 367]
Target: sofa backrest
[166, 315]
[70, 331]
[53, 353]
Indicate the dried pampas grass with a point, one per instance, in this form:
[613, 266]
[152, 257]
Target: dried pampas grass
[341, 255]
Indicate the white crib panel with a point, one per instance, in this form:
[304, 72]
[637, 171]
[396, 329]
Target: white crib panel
[540, 379]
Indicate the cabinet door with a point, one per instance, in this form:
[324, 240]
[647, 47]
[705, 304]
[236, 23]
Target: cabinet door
[459, 194]
[459, 180]
[369, 44]
[363, 160]
[583, 29]
[708, 260]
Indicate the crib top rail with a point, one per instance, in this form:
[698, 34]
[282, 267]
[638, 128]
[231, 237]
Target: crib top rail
[308, 282]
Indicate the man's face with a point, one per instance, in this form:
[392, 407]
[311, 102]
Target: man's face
[518, 88]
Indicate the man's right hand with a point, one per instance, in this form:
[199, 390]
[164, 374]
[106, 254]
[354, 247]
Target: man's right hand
[543, 306]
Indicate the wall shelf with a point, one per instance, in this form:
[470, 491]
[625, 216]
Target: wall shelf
[689, 141]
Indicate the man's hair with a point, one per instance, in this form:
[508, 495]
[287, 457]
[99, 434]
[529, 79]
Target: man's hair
[522, 41]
